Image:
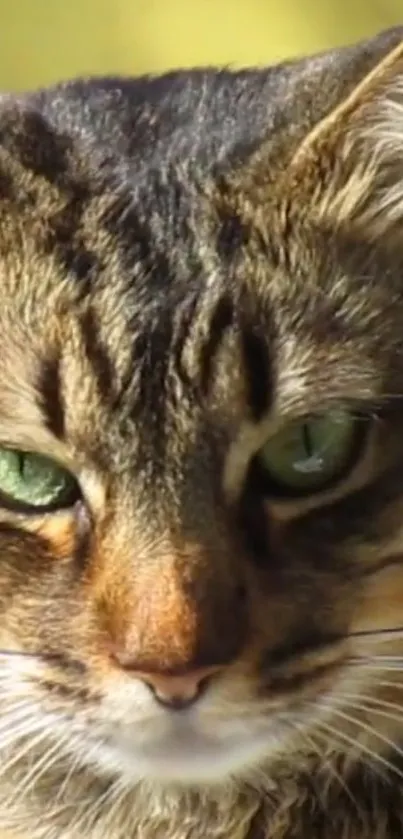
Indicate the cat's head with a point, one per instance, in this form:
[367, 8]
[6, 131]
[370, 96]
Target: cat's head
[201, 463]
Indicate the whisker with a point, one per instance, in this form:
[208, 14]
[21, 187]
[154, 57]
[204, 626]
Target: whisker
[367, 760]
[388, 684]
[327, 764]
[382, 703]
[89, 817]
[120, 791]
[39, 768]
[74, 765]
[15, 711]
[21, 654]
[373, 709]
[16, 729]
[387, 668]
[25, 749]
[8, 704]
[369, 729]
[343, 737]
[377, 634]
[388, 659]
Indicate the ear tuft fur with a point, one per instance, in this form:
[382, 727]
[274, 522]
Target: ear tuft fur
[350, 167]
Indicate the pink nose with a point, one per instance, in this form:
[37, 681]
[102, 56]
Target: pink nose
[177, 691]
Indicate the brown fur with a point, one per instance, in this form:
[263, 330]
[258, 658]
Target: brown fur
[169, 301]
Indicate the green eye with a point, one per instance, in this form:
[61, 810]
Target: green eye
[30, 480]
[308, 455]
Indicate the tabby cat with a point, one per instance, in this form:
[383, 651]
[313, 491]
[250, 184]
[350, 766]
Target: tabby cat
[201, 453]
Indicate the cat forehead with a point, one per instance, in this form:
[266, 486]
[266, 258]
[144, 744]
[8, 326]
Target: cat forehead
[144, 277]
[149, 246]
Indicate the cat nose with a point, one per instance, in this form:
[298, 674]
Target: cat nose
[178, 691]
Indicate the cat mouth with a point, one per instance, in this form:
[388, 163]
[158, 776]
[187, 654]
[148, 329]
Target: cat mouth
[186, 754]
[214, 739]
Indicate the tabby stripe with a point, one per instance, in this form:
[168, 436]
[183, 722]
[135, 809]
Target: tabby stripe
[152, 393]
[138, 243]
[65, 242]
[232, 235]
[259, 380]
[122, 221]
[299, 645]
[50, 394]
[29, 136]
[98, 355]
[295, 681]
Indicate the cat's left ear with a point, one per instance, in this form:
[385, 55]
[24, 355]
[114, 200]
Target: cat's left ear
[349, 169]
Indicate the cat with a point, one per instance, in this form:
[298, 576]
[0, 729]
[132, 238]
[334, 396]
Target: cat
[201, 458]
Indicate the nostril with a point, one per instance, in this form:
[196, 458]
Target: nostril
[174, 703]
[177, 691]
[178, 701]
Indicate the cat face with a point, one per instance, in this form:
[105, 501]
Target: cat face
[200, 453]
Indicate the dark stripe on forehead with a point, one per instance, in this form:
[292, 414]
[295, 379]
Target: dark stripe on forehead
[258, 373]
[155, 363]
[232, 234]
[145, 397]
[98, 355]
[130, 376]
[122, 221]
[137, 243]
[7, 186]
[65, 240]
[50, 396]
[28, 136]
[52, 157]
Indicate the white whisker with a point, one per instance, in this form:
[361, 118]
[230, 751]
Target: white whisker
[388, 684]
[378, 635]
[378, 702]
[74, 765]
[86, 821]
[39, 768]
[356, 746]
[371, 730]
[388, 668]
[327, 764]
[16, 733]
[118, 792]
[373, 709]
[398, 659]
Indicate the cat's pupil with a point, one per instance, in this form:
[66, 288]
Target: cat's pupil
[20, 463]
[307, 438]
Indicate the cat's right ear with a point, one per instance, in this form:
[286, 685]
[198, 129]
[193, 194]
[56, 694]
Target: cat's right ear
[349, 169]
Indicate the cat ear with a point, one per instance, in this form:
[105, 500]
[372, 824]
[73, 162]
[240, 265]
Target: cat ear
[349, 169]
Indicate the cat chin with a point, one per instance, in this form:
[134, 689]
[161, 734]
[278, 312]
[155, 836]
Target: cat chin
[188, 757]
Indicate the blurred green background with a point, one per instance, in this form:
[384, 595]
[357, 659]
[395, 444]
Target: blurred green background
[45, 40]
